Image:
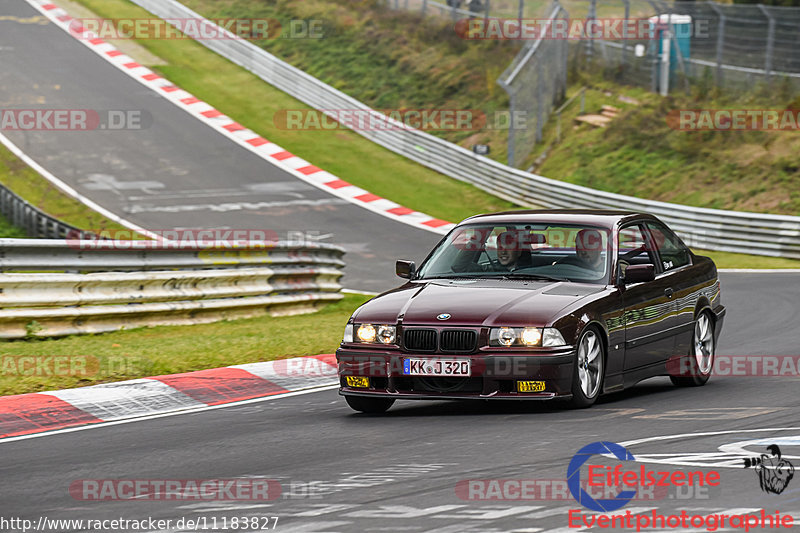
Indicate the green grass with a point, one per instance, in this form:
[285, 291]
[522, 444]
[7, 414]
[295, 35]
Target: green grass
[639, 154]
[733, 260]
[161, 350]
[8, 230]
[36, 190]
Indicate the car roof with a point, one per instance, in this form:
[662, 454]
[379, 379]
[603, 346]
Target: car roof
[594, 217]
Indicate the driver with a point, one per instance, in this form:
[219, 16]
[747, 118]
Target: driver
[589, 249]
[510, 254]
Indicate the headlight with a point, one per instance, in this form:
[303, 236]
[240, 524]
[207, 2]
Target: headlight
[531, 336]
[371, 333]
[366, 333]
[386, 334]
[509, 337]
[506, 336]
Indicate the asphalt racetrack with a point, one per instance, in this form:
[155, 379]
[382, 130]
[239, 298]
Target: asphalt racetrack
[342, 471]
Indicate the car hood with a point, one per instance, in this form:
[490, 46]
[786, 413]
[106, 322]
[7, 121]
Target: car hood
[475, 302]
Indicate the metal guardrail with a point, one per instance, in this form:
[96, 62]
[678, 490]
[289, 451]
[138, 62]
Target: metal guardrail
[124, 284]
[86, 255]
[35, 222]
[754, 233]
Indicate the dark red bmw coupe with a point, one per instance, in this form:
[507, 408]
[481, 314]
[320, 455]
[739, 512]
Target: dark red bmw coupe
[537, 305]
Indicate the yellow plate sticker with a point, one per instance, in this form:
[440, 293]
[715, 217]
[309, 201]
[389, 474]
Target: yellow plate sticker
[530, 386]
[357, 381]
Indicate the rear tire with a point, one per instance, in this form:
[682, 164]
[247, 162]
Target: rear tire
[700, 361]
[589, 369]
[369, 405]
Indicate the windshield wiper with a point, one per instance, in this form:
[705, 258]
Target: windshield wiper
[524, 275]
[453, 276]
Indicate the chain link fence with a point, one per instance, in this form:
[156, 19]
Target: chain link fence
[707, 43]
[730, 46]
[735, 45]
[536, 82]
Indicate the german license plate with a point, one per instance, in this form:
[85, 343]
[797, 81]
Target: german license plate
[436, 367]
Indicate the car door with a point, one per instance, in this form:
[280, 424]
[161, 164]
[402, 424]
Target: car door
[649, 306]
[676, 261]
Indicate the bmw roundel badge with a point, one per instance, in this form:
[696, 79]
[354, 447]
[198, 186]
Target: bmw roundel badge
[443, 316]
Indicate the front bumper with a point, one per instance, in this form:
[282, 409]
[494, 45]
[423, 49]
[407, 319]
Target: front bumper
[493, 375]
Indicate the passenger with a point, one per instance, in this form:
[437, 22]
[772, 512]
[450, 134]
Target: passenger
[589, 250]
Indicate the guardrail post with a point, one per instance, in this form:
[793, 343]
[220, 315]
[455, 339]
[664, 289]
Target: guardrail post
[720, 41]
[770, 43]
[424, 7]
[539, 108]
[558, 126]
[590, 41]
[625, 32]
[512, 128]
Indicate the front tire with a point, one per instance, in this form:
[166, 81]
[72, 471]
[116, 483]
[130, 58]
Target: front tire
[589, 369]
[372, 406]
[700, 361]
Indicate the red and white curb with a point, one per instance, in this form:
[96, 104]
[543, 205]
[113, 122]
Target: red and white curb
[244, 137]
[41, 412]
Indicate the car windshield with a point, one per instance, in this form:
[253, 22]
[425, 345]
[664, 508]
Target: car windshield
[556, 252]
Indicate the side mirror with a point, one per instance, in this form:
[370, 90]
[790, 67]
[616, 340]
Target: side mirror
[405, 269]
[639, 274]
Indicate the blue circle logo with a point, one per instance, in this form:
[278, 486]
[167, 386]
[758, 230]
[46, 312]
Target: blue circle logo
[574, 477]
[443, 316]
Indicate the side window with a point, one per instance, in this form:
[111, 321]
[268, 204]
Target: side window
[672, 251]
[633, 248]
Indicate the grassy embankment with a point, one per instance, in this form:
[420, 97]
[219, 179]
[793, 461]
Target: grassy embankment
[40, 193]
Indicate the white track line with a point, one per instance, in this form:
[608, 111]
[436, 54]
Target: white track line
[760, 270]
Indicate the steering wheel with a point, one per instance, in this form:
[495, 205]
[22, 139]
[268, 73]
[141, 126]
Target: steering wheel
[564, 261]
[496, 266]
